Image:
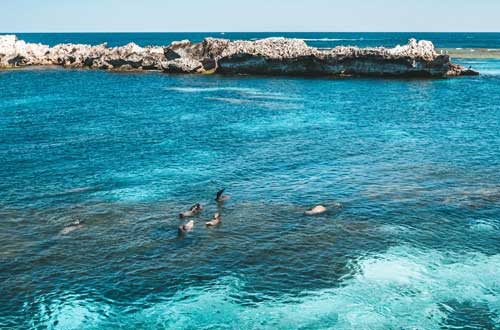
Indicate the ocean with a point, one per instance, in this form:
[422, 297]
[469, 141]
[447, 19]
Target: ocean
[315, 39]
[415, 164]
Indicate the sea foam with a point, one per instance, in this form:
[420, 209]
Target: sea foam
[403, 288]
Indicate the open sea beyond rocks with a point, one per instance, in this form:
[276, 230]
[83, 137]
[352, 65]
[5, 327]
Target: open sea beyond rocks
[414, 162]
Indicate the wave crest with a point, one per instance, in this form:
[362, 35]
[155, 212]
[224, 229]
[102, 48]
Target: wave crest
[404, 288]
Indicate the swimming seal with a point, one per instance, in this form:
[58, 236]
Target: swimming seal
[220, 198]
[216, 220]
[319, 209]
[186, 228]
[78, 224]
[194, 210]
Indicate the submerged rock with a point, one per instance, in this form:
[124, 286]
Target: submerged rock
[271, 56]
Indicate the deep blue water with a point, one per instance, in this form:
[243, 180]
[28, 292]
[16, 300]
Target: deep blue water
[316, 39]
[416, 164]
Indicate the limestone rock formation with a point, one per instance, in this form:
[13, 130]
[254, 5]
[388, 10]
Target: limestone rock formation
[272, 56]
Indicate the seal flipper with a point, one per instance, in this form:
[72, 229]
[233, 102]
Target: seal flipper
[219, 195]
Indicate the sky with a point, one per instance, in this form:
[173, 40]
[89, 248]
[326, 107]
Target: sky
[249, 15]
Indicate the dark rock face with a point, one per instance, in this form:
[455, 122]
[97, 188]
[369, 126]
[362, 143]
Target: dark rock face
[273, 56]
[314, 66]
[294, 57]
[456, 70]
[209, 64]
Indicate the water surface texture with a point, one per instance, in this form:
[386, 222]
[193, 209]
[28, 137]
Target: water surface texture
[315, 39]
[415, 163]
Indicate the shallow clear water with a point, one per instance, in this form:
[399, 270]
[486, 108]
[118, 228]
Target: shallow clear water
[414, 162]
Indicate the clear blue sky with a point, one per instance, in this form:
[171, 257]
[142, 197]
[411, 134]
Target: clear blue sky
[249, 15]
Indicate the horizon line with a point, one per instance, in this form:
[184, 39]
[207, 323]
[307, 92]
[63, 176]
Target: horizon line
[14, 32]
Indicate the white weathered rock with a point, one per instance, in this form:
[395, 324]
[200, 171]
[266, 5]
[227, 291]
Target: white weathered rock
[182, 65]
[279, 56]
[14, 52]
[275, 48]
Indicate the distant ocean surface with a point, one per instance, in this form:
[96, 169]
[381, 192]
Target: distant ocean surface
[415, 164]
[315, 39]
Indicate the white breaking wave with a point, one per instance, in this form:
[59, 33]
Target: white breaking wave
[483, 225]
[403, 288]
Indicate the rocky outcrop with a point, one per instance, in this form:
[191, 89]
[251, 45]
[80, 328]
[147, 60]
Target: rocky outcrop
[17, 53]
[272, 56]
[456, 70]
[294, 57]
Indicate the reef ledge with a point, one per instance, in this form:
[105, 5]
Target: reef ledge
[271, 56]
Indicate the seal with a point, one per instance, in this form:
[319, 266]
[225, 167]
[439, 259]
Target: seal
[319, 209]
[78, 224]
[220, 198]
[194, 210]
[186, 228]
[216, 220]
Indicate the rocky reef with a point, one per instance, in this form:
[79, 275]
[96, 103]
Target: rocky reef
[272, 56]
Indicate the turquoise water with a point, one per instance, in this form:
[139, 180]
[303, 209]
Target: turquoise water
[414, 162]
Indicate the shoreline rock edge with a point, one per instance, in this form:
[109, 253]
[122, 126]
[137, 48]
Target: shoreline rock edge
[271, 56]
